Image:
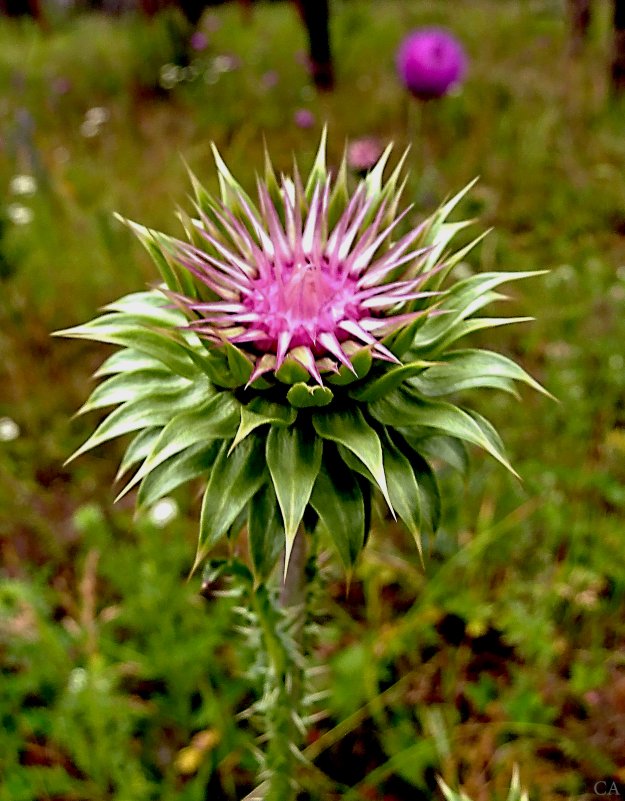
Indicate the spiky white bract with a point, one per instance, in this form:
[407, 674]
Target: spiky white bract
[300, 353]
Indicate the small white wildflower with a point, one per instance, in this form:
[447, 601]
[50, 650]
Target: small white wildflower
[89, 129]
[163, 512]
[170, 75]
[97, 115]
[18, 214]
[77, 680]
[23, 185]
[9, 429]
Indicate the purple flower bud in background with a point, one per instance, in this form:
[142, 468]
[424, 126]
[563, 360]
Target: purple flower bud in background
[363, 154]
[304, 118]
[199, 41]
[431, 62]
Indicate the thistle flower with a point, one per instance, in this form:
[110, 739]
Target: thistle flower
[363, 154]
[298, 357]
[431, 62]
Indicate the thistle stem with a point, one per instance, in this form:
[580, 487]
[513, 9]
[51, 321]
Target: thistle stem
[284, 680]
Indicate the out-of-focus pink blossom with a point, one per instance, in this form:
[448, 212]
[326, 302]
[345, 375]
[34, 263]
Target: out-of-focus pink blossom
[363, 154]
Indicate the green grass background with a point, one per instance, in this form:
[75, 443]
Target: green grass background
[119, 680]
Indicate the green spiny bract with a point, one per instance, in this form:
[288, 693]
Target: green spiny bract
[298, 358]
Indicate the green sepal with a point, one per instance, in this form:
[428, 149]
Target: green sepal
[387, 382]
[239, 365]
[188, 465]
[265, 532]
[318, 172]
[292, 372]
[218, 370]
[293, 458]
[399, 342]
[350, 429]
[233, 481]
[259, 412]
[337, 499]
[361, 360]
[306, 396]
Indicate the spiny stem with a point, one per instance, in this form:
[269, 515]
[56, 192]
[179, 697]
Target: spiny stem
[283, 685]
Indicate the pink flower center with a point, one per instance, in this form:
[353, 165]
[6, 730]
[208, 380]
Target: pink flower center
[304, 299]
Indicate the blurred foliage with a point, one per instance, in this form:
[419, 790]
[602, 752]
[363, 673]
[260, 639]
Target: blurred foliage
[119, 680]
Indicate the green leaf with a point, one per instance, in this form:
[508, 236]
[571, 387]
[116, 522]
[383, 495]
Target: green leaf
[400, 342]
[217, 418]
[152, 307]
[127, 360]
[429, 492]
[404, 490]
[350, 429]
[265, 532]
[337, 499]
[467, 369]
[450, 450]
[125, 387]
[293, 459]
[156, 410]
[139, 449]
[192, 463]
[150, 243]
[381, 386]
[305, 396]
[260, 412]
[131, 332]
[405, 409]
[463, 299]
[234, 480]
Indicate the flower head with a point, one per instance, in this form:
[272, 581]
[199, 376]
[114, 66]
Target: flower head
[431, 62]
[298, 357]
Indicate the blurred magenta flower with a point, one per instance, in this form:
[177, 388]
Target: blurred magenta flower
[304, 118]
[199, 41]
[269, 79]
[363, 154]
[431, 62]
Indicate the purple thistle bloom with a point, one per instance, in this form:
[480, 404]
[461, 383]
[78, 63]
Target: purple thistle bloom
[363, 154]
[431, 62]
[304, 118]
[198, 41]
[284, 284]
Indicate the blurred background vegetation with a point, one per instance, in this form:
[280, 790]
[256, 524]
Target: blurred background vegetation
[120, 678]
